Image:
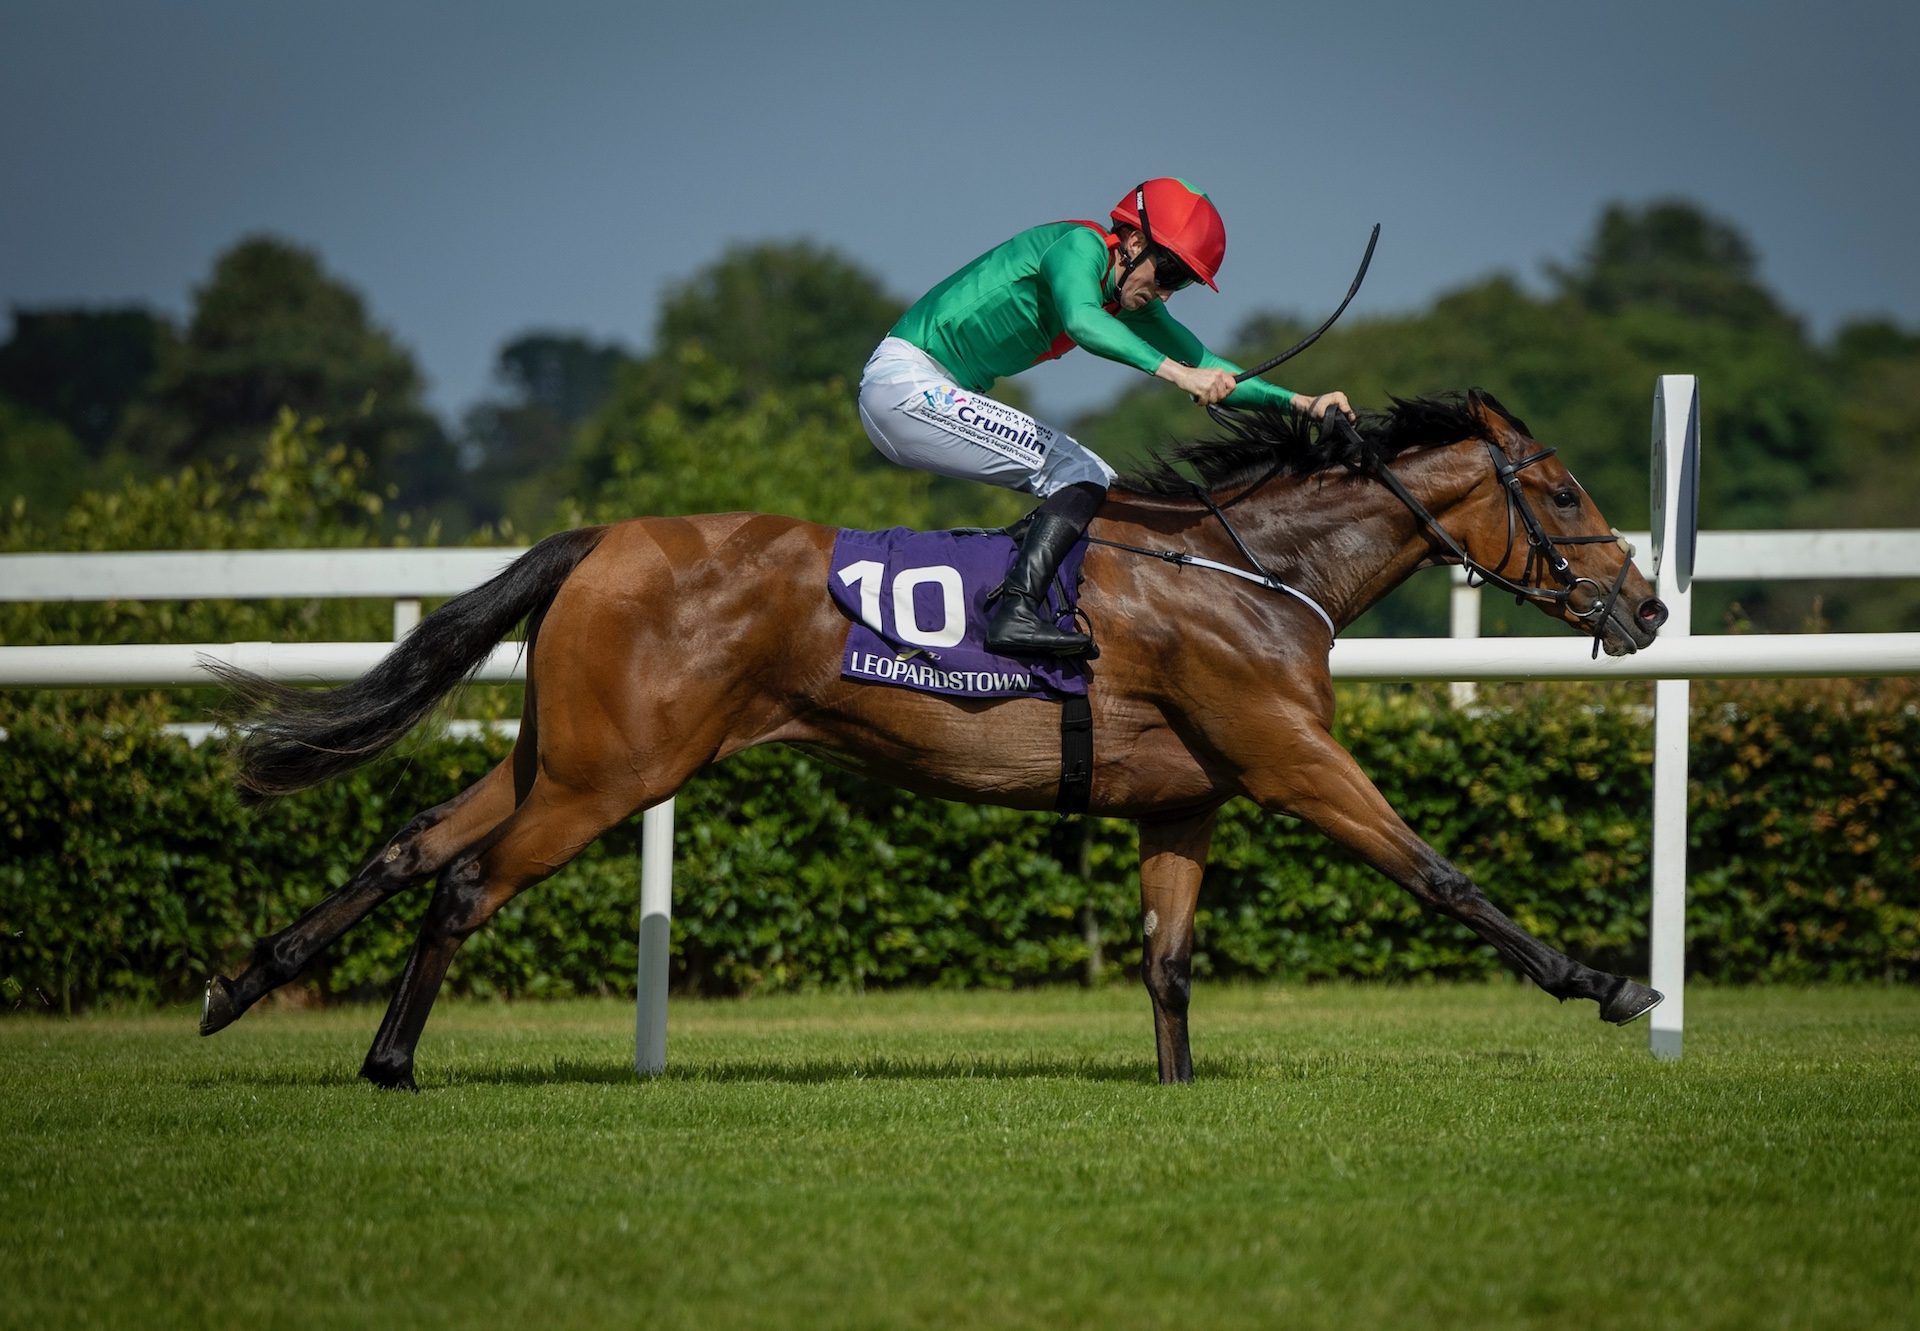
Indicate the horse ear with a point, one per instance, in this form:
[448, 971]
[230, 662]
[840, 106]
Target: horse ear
[1496, 417]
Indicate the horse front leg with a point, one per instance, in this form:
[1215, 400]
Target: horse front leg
[1319, 781]
[1173, 856]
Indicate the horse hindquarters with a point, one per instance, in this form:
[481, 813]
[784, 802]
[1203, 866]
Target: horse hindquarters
[631, 689]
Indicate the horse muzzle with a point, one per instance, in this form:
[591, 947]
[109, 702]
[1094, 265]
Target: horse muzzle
[1622, 634]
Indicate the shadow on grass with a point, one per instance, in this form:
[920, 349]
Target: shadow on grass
[1358, 1066]
[619, 1072]
[307, 1078]
[817, 1071]
[1355, 1067]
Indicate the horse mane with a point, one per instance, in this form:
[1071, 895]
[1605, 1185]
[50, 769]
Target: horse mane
[1257, 438]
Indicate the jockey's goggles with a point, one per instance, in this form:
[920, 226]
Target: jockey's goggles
[1169, 273]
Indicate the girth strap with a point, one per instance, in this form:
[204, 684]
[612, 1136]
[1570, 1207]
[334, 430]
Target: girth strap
[1076, 754]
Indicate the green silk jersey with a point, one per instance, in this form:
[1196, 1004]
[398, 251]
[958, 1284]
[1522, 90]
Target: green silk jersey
[1003, 312]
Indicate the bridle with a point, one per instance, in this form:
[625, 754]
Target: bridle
[1543, 550]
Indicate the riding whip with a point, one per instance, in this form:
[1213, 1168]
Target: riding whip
[1314, 336]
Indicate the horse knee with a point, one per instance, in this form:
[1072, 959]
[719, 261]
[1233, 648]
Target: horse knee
[1450, 890]
[1170, 981]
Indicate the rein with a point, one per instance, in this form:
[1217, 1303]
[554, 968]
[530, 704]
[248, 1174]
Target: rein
[1542, 549]
[1259, 574]
[1260, 578]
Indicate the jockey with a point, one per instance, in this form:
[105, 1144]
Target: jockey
[1035, 298]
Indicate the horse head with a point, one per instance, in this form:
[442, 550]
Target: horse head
[1527, 526]
[1348, 512]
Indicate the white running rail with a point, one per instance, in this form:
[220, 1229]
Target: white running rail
[1680, 556]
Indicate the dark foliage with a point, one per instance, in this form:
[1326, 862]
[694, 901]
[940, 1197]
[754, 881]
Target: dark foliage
[130, 870]
[83, 367]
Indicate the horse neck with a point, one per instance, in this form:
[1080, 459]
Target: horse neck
[1345, 540]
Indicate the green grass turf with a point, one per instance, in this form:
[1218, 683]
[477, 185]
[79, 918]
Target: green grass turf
[1350, 1157]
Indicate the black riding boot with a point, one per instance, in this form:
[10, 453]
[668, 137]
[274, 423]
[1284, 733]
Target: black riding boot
[1019, 626]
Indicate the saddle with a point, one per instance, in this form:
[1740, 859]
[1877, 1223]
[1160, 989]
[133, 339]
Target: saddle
[917, 606]
[917, 602]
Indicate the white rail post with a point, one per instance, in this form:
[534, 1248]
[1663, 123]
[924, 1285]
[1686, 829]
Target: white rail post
[406, 616]
[1676, 511]
[1463, 622]
[656, 931]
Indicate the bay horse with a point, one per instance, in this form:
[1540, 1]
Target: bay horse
[658, 645]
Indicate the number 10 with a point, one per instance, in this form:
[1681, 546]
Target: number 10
[868, 574]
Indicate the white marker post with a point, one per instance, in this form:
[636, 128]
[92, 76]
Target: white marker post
[1464, 624]
[656, 931]
[1676, 524]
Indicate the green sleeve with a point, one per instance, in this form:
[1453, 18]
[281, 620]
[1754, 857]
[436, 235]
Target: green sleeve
[1073, 269]
[1173, 340]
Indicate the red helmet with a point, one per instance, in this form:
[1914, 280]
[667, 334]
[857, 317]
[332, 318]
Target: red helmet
[1173, 214]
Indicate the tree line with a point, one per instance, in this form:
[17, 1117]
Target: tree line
[744, 400]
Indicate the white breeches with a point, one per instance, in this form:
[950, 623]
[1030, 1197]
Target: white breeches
[917, 416]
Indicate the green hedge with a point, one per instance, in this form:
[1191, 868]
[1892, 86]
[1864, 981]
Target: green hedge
[130, 872]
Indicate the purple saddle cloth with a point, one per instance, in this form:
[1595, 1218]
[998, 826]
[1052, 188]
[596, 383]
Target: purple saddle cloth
[918, 602]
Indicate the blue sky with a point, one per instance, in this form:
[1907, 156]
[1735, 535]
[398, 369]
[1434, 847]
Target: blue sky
[478, 169]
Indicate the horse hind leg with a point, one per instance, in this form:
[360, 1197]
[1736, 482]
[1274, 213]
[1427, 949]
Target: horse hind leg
[547, 830]
[415, 853]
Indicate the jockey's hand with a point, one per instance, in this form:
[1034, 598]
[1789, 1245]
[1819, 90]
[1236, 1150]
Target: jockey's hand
[1203, 386]
[1317, 407]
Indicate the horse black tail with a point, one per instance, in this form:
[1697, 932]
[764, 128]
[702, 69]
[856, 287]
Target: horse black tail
[293, 738]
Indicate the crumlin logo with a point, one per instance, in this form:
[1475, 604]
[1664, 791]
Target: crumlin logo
[944, 398]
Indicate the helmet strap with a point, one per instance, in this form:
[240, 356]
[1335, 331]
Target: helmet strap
[1146, 239]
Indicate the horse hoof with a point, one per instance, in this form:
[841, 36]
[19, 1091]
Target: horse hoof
[389, 1078]
[1631, 1000]
[218, 1010]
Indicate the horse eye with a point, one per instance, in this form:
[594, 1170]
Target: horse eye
[1567, 498]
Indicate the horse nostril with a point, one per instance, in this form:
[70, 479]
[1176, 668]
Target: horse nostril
[1653, 613]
